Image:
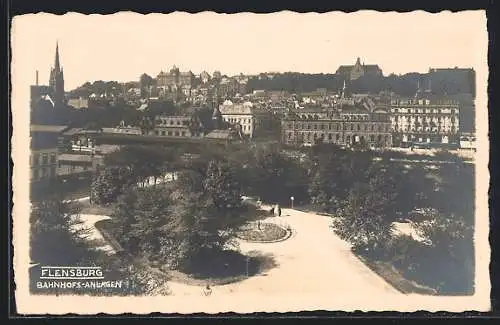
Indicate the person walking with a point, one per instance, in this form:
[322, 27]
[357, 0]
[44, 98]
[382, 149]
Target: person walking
[279, 210]
[207, 291]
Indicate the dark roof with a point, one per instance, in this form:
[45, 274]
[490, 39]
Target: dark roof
[345, 68]
[75, 158]
[47, 128]
[371, 67]
[219, 134]
[43, 140]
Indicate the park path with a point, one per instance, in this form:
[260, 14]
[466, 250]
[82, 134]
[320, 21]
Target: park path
[313, 261]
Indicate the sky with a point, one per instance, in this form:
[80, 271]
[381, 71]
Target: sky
[123, 46]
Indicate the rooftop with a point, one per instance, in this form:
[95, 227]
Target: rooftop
[47, 128]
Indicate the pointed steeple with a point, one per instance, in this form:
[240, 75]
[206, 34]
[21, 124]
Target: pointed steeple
[56, 80]
[57, 66]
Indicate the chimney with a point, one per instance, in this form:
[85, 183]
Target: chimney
[36, 78]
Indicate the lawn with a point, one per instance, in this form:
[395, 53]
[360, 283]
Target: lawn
[263, 232]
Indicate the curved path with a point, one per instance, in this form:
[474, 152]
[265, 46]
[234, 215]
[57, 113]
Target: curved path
[315, 270]
[313, 261]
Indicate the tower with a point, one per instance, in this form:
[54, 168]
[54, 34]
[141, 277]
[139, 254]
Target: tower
[419, 90]
[56, 81]
[216, 118]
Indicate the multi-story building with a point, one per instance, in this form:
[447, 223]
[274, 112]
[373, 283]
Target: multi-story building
[79, 154]
[177, 126]
[344, 126]
[44, 153]
[205, 77]
[174, 79]
[79, 102]
[425, 120]
[353, 72]
[249, 120]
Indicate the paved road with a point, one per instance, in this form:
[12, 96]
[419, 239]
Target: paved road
[313, 261]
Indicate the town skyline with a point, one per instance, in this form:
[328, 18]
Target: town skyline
[295, 54]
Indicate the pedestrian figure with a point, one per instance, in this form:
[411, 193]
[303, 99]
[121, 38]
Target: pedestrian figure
[279, 210]
[207, 291]
[258, 224]
[271, 211]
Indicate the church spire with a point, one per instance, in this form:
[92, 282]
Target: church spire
[56, 81]
[57, 66]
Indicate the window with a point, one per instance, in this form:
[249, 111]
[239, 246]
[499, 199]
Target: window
[53, 158]
[379, 138]
[156, 132]
[169, 133]
[315, 126]
[352, 127]
[176, 133]
[36, 175]
[36, 159]
[337, 137]
[329, 126]
[308, 126]
[372, 138]
[372, 127]
[322, 126]
[289, 135]
[183, 133]
[163, 133]
[178, 122]
[359, 127]
[330, 136]
[45, 159]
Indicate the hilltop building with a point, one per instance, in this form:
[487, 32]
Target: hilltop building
[353, 72]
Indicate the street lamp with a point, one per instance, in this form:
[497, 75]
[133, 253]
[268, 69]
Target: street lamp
[292, 199]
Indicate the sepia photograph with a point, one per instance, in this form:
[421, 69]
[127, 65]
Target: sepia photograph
[281, 162]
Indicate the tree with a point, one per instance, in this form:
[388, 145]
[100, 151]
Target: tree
[365, 217]
[143, 224]
[108, 184]
[449, 262]
[220, 183]
[267, 173]
[57, 235]
[143, 162]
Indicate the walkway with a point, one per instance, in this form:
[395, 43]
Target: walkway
[314, 261]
